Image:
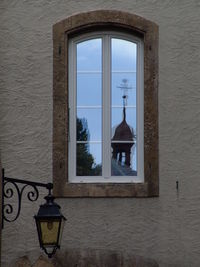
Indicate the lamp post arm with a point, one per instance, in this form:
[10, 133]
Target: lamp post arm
[20, 181]
[11, 188]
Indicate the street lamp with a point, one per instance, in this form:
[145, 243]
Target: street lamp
[49, 220]
[50, 223]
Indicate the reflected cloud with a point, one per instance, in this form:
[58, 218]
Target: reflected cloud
[124, 49]
[89, 55]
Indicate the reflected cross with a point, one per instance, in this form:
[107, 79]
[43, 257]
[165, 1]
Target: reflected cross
[124, 86]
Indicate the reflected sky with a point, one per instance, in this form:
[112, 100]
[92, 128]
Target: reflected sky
[95, 150]
[89, 89]
[123, 55]
[94, 121]
[89, 55]
[117, 92]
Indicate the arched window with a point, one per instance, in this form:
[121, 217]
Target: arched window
[105, 106]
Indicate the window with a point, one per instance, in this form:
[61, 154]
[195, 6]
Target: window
[105, 106]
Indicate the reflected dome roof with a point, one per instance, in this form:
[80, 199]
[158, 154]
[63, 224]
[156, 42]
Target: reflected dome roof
[123, 131]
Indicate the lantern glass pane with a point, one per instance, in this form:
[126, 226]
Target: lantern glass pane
[61, 230]
[49, 231]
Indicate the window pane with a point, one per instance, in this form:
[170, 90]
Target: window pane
[89, 125]
[89, 159]
[123, 159]
[124, 84]
[123, 55]
[123, 143]
[124, 128]
[123, 110]
[89, 108]
[89, 55]
[89, 89]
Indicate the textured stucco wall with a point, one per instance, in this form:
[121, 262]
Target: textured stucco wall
[164, 228]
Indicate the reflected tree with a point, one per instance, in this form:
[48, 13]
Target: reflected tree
[86, 165]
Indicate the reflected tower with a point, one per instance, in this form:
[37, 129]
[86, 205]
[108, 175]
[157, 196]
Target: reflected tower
[123, 138]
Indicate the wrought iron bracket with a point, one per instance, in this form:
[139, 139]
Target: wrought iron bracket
[11, 189]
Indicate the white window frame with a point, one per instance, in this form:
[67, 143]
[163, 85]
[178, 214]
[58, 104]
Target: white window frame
[106, 116]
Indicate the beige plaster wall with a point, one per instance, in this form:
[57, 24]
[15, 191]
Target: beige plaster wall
[164, 228]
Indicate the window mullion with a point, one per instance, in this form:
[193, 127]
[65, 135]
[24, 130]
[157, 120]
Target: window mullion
[106, 107]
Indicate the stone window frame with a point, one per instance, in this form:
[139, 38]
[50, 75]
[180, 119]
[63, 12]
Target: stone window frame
[92, 21]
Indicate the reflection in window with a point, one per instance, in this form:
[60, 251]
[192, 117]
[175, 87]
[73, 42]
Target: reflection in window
[104, 101]
[124, 112]
[123, 143]
[89, 108]
[87, 165]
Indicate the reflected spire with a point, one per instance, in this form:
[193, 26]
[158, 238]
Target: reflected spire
[124, 87]
[124, 106]
[123, 138]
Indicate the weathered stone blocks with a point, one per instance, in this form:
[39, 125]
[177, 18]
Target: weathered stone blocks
[89, 258]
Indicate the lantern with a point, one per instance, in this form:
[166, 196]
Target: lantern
[50, 223]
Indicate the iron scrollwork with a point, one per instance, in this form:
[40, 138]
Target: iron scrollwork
[11, 188]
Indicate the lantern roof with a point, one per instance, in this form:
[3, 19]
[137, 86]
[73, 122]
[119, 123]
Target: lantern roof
[49, 209]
